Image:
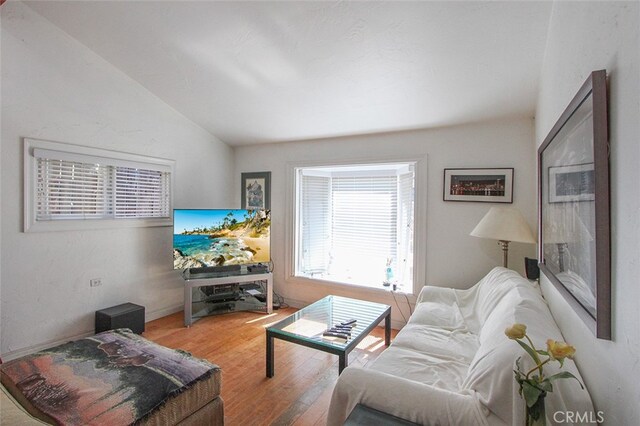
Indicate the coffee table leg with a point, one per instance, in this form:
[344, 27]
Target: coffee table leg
[343, 362]
[269, 355]
[387, 330]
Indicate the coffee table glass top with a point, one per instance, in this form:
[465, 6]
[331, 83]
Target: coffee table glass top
[310, 322]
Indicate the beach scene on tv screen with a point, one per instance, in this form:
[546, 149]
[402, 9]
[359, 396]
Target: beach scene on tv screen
[204, 238]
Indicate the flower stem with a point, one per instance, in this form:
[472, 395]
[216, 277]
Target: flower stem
[538, 367]
[537, 360]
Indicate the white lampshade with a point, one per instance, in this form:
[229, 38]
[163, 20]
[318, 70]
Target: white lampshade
[504, 224]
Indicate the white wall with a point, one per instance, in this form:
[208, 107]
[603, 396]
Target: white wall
[453, 258]
[584, 37]
[55, 88]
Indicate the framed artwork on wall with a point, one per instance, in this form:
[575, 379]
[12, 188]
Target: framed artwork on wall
[256, 190]
[573, 191]
[479, 185]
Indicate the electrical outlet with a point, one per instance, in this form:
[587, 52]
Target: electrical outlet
[95, 282]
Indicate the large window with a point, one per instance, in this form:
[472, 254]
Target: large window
[75, 185]
[354, 224]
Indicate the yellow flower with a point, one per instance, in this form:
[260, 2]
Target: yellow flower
[560, 350]
[516, 331]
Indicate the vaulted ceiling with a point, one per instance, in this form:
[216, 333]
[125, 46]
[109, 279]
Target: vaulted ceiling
[252, 72]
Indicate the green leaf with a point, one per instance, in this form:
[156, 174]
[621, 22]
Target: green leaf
[541, 352]
[530, 351]
[531, 393]
[546, 385]
[564, 375]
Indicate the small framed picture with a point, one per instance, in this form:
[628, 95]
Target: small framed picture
[572, 183]
[479, 185]
[256, 190]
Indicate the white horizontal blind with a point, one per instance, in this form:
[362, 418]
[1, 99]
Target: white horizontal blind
[405, 226]
[72, 189]
[141, 193]
[315, 211]
[353, 221]
[364, 225]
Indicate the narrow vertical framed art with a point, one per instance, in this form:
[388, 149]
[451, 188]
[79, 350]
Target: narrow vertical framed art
[256, 190]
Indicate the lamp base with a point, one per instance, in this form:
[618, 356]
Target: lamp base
[505, 252]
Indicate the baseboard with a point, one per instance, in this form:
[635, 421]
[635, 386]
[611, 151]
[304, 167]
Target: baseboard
[163, 312]
[298, 304]
[41, 346]
[149, 316]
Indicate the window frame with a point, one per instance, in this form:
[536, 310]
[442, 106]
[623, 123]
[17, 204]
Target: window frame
[419, 239]
[30, 181]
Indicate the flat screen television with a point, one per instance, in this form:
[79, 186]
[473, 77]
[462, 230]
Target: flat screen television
[211, 239]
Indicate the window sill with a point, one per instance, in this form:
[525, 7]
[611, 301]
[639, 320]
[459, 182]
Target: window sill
[296, 279]
[94, 224]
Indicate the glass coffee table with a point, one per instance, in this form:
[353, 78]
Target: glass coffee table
[306, 326]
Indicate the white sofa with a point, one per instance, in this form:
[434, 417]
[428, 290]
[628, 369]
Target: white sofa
[452, 363]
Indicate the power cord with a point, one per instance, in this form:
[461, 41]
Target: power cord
[279, 299]
[393, 293]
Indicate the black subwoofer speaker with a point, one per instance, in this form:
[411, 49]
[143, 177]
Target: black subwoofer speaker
[127, 315]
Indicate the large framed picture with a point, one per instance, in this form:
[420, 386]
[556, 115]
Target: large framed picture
[256, 190]
[480, 185]
[573, 190]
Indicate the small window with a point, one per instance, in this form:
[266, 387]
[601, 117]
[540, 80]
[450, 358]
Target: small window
[355, 224]
[73, 187]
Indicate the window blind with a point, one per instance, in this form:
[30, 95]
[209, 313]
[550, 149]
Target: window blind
[72, 190]
[76, 189]
[364, 229]
[314, 214]
[141, 193]
[405, 225]
[352, 220]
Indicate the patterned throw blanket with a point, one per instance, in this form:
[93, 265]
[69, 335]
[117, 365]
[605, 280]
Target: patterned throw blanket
[112, 378]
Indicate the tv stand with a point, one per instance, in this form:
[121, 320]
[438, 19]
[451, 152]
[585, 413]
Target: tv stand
[228, 293]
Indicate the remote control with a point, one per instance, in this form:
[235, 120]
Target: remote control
[334, 334]
[349, 322]
[342, 327]
[340, 331]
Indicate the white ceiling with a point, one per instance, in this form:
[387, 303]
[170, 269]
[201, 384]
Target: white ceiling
[252, 72]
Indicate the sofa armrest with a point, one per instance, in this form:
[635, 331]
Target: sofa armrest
[439, 294]
[409, 400]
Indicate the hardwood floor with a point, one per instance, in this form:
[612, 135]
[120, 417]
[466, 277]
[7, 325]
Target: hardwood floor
[300, 391]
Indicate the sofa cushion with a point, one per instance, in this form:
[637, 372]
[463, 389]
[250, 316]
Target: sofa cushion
[446, 316]
[458, 345]
[477, 303]
[439, 371]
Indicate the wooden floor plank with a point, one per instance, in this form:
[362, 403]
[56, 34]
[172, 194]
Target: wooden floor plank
[300, 391]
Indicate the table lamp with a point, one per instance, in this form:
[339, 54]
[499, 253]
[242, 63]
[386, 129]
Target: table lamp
[504, 224]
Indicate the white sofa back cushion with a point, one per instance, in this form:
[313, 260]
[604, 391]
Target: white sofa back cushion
[478, 302]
